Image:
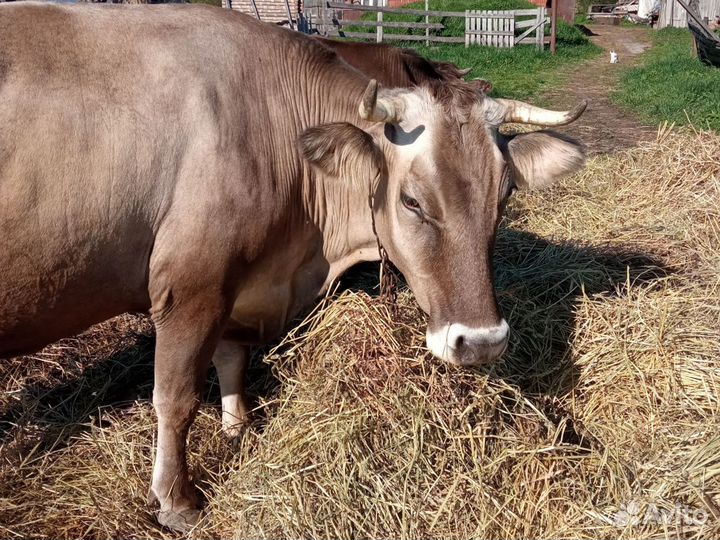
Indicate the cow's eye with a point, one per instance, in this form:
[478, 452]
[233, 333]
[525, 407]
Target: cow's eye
[410, 203]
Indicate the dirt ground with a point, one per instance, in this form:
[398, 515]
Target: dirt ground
[605, 127]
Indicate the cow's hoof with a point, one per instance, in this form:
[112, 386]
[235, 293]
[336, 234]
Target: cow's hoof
[235, 434]
[182, 521]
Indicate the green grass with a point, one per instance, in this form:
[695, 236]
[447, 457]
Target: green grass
[520, 72]
[671, 85]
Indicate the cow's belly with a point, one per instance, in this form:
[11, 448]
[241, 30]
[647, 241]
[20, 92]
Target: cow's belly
[57, 279]
[48, 300]
[266, 306]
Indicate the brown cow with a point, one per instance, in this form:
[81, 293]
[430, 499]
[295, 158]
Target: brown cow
[217, 173]
[395, 67]
[392, 66]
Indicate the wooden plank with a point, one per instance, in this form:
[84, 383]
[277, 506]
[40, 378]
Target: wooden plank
[390, 24]
[490, 33]
[488, 27]
[492, 23]
[511, 39]
[484, 27]
[402, 37]
[475, 26]
[534, 28]
[401, 11]
[473, 39]
[427, 21]
[505, 43]
[521, 12]
[527, 23]
[467, 27]
[257, 13]
[421, 12]
[501, 27]
[289, 14]
[701, 27]
[479, 25]
[379, 30]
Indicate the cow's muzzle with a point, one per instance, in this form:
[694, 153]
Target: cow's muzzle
[466, 346]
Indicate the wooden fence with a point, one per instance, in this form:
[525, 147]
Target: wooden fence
[497, 28]
[488, 28]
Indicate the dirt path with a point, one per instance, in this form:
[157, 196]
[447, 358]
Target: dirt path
[605, 127]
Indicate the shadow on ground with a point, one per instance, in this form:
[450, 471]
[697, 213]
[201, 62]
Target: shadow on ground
[539, 284]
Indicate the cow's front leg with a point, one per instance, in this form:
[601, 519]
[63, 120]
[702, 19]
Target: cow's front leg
[187, 331]
[231, 360]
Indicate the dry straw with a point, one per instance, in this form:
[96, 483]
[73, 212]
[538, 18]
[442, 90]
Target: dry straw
[603, 421]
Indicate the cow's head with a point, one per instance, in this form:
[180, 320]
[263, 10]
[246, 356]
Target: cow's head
[442, 176]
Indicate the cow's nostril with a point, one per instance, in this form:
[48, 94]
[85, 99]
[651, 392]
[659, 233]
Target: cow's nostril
[459, 342]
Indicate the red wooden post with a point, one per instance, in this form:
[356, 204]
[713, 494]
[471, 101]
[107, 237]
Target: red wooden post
[553, 26]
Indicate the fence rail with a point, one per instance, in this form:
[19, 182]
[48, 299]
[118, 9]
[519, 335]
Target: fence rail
[403, 11]
[488, 28]
[389, 24]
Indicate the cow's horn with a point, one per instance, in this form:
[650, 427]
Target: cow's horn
[464, 71]
[374, 109]
[524, 113]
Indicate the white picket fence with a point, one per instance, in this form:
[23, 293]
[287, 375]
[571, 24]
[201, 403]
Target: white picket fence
[497, 28]
[486, 28]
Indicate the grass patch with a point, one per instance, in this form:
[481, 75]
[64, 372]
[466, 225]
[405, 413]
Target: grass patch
[521, 72]
[671, 85]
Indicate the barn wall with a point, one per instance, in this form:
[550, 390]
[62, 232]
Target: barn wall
[673, 14]
[566, 10]
[273, 11]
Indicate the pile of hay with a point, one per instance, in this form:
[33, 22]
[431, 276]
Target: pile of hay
[603, 420]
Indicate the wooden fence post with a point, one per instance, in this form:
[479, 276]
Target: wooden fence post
[553, 27]
[540, 33]
[257, 13]
[427, 21]
[379, 28]
[290, 17]
[511, 37]
[467, 28]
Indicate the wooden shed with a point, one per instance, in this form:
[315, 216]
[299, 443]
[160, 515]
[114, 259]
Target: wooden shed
[673, 14]
[566, 8]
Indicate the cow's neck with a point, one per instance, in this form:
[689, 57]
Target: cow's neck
[342, 215]
[339, 208]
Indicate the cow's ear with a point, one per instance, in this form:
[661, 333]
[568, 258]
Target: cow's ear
[342, 150]
[540, 158]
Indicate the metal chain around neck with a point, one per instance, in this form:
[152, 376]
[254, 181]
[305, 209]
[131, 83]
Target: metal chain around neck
[388, 277]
